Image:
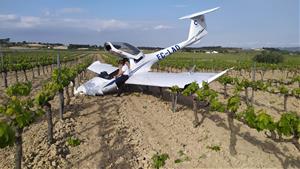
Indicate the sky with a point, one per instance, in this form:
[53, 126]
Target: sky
[238, 23]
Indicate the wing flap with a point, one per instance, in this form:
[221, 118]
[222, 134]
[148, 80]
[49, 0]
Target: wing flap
[99, 67]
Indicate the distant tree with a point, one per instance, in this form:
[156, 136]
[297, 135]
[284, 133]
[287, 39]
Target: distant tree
[76, 46]
[94, 46]
[268, 57]
[271, 49]
[100, 47]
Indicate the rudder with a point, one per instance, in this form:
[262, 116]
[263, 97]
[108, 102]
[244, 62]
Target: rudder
[198, 24]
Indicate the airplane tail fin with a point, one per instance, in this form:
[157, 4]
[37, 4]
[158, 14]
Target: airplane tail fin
[198, 25]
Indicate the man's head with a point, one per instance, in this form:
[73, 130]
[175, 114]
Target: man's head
[123, 61]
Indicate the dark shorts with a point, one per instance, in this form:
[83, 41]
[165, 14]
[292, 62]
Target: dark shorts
[121, 80]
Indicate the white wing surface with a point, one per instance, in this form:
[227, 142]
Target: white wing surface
[99, 67]
[91, 87]
[171, 79]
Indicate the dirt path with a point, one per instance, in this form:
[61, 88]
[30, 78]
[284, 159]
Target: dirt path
[104, 137]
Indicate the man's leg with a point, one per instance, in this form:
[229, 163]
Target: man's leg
[120, 90]
[121, 85]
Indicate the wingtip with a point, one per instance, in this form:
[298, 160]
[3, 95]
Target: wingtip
[217, 7]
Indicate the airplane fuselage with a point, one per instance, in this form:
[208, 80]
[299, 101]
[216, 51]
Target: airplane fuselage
[144, 65]
[139, 62]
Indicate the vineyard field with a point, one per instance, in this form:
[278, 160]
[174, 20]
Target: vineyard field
[225, 60]
[128, 131]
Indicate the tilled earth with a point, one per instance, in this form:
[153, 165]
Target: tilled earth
[125, 132]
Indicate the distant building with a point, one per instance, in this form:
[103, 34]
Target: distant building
[257, 49]
[61, 47]
[36, 45]
[82, 48]
[211, 52]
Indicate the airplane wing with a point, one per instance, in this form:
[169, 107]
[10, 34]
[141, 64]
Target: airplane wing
[99, 67]
[171, 79]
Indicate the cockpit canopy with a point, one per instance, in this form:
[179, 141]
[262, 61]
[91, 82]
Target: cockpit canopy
[126, 47]
[123, 49]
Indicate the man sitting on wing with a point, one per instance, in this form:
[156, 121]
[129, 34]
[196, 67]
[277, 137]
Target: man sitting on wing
[123, 74]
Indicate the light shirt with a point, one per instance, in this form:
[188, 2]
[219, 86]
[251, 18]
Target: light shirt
[125, 69]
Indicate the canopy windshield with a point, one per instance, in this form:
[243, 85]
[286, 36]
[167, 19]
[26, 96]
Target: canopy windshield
[126, 47]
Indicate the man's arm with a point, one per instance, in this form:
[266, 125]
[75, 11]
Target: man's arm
[128, 64]
[120, 73]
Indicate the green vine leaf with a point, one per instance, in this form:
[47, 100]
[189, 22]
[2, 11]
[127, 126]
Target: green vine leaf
[288, 124]
[47, 93]
[215, 105]
[233, 103]
[175, 89]
[264, 121]
[19, 89]
[191, 89]
[7, 135]
[225, 80]
[250, 117]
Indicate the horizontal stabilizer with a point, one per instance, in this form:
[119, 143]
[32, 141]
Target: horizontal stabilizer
[194, 15]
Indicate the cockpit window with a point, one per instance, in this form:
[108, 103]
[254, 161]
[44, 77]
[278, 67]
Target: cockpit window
[126, 47]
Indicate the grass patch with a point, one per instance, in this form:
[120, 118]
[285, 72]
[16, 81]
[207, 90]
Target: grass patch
[73, 142]
[183, 157]
[159, 160]
[178, 161]
[214, 147]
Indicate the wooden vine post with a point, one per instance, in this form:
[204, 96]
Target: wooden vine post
[175, 90]
[61, 90]
[52, 63]
[253, 80]
[4, 70]
[32, 69]
[73, 87]
[190, 91]
[47, 108]
[225, 80]
[43, 99]
[196, 121]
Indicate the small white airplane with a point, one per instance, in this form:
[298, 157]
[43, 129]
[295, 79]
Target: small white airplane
[140, 64]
